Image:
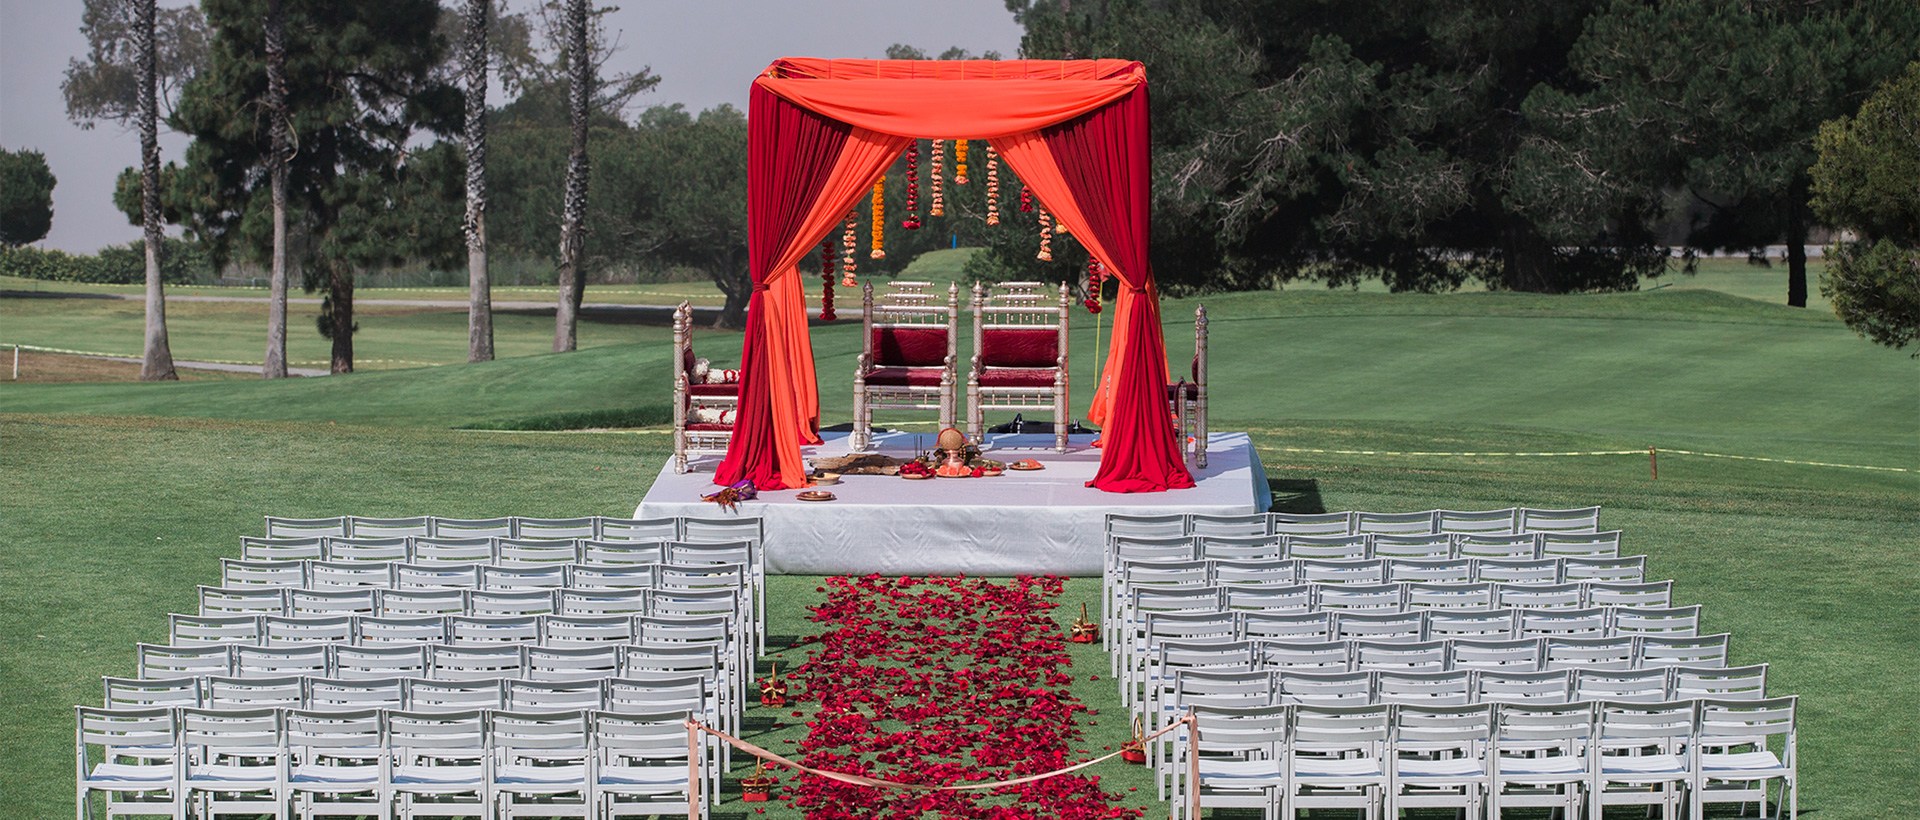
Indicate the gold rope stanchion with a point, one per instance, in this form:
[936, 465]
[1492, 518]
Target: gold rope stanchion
[693, 767]
[1193, 765]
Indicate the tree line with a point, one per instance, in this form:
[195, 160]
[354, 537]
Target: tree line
[1548, 147]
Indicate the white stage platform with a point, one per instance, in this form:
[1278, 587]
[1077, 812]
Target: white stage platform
[1041, 522]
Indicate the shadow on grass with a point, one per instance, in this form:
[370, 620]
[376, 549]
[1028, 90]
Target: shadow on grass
[1296, 495]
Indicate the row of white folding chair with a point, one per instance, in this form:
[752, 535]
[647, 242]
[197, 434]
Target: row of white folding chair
[1160, 573]
[380, 647]
[701, 695]
[427, 562]
[1284, 599]
[1383, 758]
[284, 762]
[1419, 625]
[693, 528]
[1508, 520]
[1199, 688]
[493, 577]
[490, 550]
[1543, 653]
[1431, 547]
[405, 603]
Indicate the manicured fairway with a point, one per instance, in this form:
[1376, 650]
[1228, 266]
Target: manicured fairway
[108, 522]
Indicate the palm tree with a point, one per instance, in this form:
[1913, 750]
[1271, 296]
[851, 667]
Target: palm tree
[573, 213]
[479, 288]
[157, 358]
[275, 366]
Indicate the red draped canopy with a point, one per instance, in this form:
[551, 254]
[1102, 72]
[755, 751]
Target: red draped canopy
[822, 131]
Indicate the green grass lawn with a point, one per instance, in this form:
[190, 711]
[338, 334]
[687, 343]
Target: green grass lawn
[120, 498]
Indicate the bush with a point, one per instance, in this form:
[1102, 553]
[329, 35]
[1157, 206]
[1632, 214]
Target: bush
[181, 263]
[1875, 289]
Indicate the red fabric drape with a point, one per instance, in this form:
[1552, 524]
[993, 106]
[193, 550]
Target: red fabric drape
[781, 188]
[941, 99]
[1104, 158]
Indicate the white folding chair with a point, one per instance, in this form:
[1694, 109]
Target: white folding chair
[603, 602]
[451, 552]
[1355, 571]
[364, 527]
[1396, 523]
[399, 631]
[1460, 596]
[549, 663]
[1305, 656]
[1440, 757]
[440, 764]
[380, 662]
[1507, 655]
[1579, 519]
[636, 529]
[436, 576]
[328, 575]
[280, 661]
[307, 548]
[556, 528]
[329, 602]
[641, 766]
[1680, 622]
[470, 527]
[1400, 656]
[1412, 546]
[1424, 689]
[1339, 523]
[1720, 682]
[1489, 522]
[1328, 688]
[337, 763]
[1430, 571]
[1517, 570]
[151, 693]
[1228, 526]
[1580, 544]
[1403, 627]
[235, 761]
[373, 550]
[1485, 624]
[492, 630]
[1520, 547]
[255, 693]
[138, 764]
[1327, 547]
[194, 661]
[485, 602]
[1729, 776]
[420, 603]
[476, 663]
[184, 630]
[542, 764]
[1553, 623]
[1238, 759]
[622, 553]
[427, 696]
[1611, 652]
[1287, 626]
[1248, 548]
[533, 553]
[1337, 758]
[243, 601]
[1496, 686]
[1631, 569]
[1623, 685]
[306, 527]
[336, 695]
[555, 696]
[524, 578]
[1640, 754]
[1701, 650]
[1541, 756]
[1648, 594]
[1362, 598]
[275, 573]
[282, 630]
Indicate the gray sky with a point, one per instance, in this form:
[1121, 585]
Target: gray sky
[706, 53]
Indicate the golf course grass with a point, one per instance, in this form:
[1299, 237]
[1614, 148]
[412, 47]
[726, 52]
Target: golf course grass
[120, 498]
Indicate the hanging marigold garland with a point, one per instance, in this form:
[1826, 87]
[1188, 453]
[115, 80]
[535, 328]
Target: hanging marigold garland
[848, 245]
[938, 207]
[960, 162]
[1026, 199]
[1095, 274]
[1046, 237]
[993, 185]
[826, 281]
[912, 222]
[879, 219]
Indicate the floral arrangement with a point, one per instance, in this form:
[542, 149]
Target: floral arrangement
[1095, 273]
[912, 222]
[944, 681]
[1026, 199]
[826, 281]
[938, 206]
[1046, 237]
[732, 494]
[879, 218]
[993, 185]
[848, 245]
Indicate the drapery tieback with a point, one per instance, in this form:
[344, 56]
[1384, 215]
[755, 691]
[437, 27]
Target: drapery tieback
[761, 287]
[1136, 289]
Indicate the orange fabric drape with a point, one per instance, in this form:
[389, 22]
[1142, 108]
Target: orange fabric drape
[940, 99]
[795, 391]
[1027, 154]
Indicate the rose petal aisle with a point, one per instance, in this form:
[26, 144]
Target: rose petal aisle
[943, 681]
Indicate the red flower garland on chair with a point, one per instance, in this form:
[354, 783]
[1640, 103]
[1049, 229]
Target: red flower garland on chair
[912, 222]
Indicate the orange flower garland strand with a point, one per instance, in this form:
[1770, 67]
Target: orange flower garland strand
[960, 162]
[848, 245]
[879, 218]
[938, 207]
[993, 185]
[1046, 237]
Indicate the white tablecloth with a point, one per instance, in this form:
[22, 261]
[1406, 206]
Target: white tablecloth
[1038, 522]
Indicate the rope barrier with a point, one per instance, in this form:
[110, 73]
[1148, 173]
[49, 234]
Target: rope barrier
[694, 727]
[103, 354]
[1578, 453]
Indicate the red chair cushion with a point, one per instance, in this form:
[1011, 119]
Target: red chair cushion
[909, 346]
[1017, 377]
[1192, 390]
[704, 427]
[713, 390]
[1020, 348]
[906, 376]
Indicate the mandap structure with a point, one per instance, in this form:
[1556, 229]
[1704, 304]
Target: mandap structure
[822, 131]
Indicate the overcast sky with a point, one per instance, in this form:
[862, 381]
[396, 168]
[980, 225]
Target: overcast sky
[706, 53]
